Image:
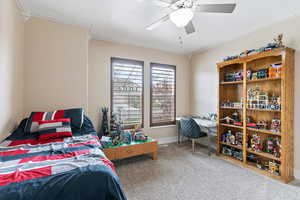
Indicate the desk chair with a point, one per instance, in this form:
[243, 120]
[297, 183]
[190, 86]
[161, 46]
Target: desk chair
[190, 129]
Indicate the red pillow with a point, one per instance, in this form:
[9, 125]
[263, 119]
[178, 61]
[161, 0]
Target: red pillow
[52, 129]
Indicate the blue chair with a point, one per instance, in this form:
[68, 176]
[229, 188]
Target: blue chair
[190, 129]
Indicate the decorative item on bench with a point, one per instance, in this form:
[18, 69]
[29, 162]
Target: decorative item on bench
[276, 125]
[127, 137]
[106, 141]
[138, 134]
[104, 126]
[116, 129]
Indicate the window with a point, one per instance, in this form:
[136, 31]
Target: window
[127, 88]
[162, 94]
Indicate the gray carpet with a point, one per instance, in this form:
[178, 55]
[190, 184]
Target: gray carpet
[180, 175]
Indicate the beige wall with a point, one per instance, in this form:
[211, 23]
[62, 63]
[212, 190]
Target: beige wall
[11, 66]
[204, 72]
[64, 70]
[100, 53]
[56, 60]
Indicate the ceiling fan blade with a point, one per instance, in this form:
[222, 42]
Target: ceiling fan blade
[157, 23]
[190, 28]
[216, 8]
[166, 3]
[162, 3]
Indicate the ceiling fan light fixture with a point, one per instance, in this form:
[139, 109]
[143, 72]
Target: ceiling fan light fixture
[182, 17]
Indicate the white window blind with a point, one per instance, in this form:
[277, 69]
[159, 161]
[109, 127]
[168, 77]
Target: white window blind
[163, 94]
[127, 83]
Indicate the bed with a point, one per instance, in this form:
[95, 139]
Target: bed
[59, 169]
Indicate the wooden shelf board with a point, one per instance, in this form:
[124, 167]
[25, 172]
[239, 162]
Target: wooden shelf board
[263, 79]
[263, 154]
[264, 131]
[232, 126]
[262, 110]
[230, 82]
[231, 108]
[229, 158]
[231, 145]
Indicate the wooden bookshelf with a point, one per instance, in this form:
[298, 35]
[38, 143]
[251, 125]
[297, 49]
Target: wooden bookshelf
[236, 91]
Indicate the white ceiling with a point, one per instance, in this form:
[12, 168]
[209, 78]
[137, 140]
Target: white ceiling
[124, 21]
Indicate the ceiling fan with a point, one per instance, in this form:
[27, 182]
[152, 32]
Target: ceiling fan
[183, 12]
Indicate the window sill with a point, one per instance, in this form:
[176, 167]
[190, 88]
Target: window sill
[163, 126]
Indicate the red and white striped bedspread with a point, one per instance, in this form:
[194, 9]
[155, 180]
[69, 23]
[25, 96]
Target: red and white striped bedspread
[30, 159]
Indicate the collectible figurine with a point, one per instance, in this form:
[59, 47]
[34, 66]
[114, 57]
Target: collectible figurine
[239, 76]
[250, 123]
[116, 129]
[226, 151]
[238, 155]
[254, 76]
[277, 147]
[278, 41]
[255, 143]
[140, 136]
[229, 77]
[262, 73]
[239, 139]
[275, 70]
[127, 137]
[249, 74]
[232, 139]
[262, 124]
[228, 120]
[275, 125]
[270, 145]
[273, 167]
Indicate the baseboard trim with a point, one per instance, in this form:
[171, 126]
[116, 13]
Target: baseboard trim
[297, 174]
[167, 140]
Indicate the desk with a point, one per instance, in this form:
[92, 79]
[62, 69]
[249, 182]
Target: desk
[208, 126]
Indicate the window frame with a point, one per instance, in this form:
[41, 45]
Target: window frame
[112, 83]
[165, 66]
